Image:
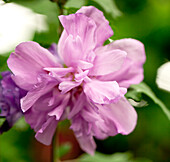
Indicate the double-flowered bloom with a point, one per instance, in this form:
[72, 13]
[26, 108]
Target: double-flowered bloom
[80, 80]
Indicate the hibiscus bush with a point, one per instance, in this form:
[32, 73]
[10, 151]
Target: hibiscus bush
[82, 75]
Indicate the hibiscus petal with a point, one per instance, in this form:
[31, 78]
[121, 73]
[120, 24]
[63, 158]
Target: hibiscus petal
[77, 25]
[107, 62]
[58, 111]
[84, 65]
[60, 71]
[82, 130]
[89, 114]
[41, 108]
[33, 95]
[66, 86]
[105, 128]
[77, 106]
[23, 82]
[87, 144]
[131, 71]
[53, 49]
[33, 121]
[135, 49]
[28, 61]
[61, 41]
[81, 76]
[73, 50]
[129, 74]
[103, 30]
[102, 127]
[102, 92]
[122, 114]
[45, 134]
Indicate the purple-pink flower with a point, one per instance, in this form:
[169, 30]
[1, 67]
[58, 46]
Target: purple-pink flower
[10, 95]
[82, 81]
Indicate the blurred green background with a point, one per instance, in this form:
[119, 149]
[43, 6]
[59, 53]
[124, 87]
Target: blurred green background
[147, 21]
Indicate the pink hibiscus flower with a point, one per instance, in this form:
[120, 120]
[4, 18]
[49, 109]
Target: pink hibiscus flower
[83, 81]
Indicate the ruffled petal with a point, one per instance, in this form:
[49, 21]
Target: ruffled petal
[45, 134]
[122, 114]
[66, 86]
[28, 61]
[23, 82]
[135, 49]
[103, 92]
[61, 41]
[84, 65]
[37, 115]
[73, 50]
[104, 128]
[58, 111]
[60, 71]
[131, 71]
[83, 134]
[78, 106]
[101, 127]
[81, 76]
[103, 30]
[43, 87]
[54, 50]
[78, 29]
[107, 62]
[87, 144]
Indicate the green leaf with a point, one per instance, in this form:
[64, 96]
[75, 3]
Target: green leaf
[70, 10]
[6, 1]
[74, 4]
[15, 146]
[117, 157]
[110, 7]
[3, 64]
[135, 98]
[139, 104]
[133, 94]
[145, 89]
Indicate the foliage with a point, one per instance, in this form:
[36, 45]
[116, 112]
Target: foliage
[145, 89]
[3, 65]
[117, 157]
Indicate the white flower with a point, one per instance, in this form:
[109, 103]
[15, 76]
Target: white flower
[163, 77]
[18, 24]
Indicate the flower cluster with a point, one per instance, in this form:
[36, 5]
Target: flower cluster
[80, 80]
[10, 95]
